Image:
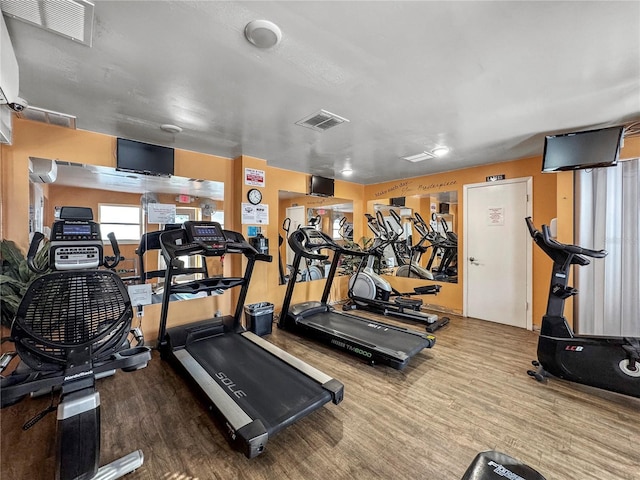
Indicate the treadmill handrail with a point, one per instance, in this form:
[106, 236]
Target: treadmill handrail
[299, 242]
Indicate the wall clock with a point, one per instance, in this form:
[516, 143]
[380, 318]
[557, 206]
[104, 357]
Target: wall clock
[254, 196]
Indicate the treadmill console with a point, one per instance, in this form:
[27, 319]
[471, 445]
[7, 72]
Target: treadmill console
[209, 236]
[316, 238]
[75, 244]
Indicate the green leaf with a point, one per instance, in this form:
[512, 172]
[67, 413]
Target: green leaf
[10, 253]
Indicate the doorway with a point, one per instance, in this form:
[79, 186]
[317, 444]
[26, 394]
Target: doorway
[497, 252]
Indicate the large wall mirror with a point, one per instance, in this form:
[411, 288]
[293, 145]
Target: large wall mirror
[128, 204]
[424, 231]
[333, 216]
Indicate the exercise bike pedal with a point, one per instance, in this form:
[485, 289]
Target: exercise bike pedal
[535, 363]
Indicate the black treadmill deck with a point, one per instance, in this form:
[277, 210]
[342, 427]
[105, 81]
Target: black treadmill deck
[256, 387]
[368, 339]
[264, 386]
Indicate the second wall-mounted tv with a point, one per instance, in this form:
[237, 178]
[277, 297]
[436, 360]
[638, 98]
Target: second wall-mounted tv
[582, 150]
[321, 186]
[139, 157]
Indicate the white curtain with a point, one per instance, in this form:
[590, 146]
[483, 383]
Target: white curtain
[607, 206]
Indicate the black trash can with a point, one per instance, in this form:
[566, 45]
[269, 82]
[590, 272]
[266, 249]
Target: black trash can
[259, 317]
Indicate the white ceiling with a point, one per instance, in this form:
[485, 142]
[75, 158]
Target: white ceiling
[488, 79]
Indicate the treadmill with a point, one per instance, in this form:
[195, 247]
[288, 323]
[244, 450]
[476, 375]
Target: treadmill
[373, 341]
[256, 388]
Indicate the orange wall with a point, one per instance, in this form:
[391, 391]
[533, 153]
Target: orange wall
[48, 141]
[544, 187]
[551, 197]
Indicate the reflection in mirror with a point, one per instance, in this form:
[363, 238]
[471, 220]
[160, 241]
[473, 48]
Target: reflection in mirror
[426, 245]
[325, 214]
[137, 208]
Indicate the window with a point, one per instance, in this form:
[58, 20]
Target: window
[607, 201]
[122, 220]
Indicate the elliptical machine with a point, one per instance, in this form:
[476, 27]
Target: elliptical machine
[610, 363]
[369, 290]
[72, 327]
[412, 269]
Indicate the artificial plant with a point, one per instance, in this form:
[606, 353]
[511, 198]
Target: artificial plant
[15, 277]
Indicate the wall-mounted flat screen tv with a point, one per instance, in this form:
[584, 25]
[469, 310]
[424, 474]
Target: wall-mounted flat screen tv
[321, 186]
[397, 202]
[139, 157]
[582, 150]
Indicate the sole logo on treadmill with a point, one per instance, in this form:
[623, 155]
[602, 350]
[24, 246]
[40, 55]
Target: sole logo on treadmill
[351, 348]
[230, 384]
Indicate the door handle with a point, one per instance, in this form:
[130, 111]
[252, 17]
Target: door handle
[474, 260]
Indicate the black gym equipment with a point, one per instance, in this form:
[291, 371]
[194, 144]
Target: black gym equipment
[373, 341]
[610, 363]
[370, 291]
[71, 328]
[255, 387]
[494, 465]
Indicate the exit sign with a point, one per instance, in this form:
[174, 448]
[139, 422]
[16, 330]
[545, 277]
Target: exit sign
[184, 199]
[495, 178]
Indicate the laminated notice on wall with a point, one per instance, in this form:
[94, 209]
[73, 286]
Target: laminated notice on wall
[255, 214]
[254, 177]
[495, 216]
[161, 213]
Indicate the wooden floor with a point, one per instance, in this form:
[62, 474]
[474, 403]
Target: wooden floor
[468, 394]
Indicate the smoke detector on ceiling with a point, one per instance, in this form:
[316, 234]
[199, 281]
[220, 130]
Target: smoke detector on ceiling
[263, 33]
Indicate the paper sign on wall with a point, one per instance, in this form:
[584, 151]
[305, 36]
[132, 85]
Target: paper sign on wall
[161, 213]
[140, 294]
[495, 216]
[254, 177]
[255, 214]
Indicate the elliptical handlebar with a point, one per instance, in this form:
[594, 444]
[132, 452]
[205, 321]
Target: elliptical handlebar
[286, 225]
[112, 262]
[33, 250]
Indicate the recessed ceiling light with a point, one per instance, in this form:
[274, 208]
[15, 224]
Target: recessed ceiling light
[419, 157]
[167, 127]
[263, 33]
[346, 172]
[440, 151]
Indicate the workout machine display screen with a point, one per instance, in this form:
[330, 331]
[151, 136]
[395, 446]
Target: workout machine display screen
[205, 232]
[71, 229]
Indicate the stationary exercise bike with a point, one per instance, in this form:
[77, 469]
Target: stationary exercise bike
[72, 327]
[369, 290]
[610, 363]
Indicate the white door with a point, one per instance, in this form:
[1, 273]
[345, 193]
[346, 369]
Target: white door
[298, 217]
[497, 252]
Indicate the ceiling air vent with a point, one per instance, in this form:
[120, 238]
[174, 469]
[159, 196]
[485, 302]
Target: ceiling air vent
[321, 121]
[419, 157]
[48, 116]
[70, 18]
